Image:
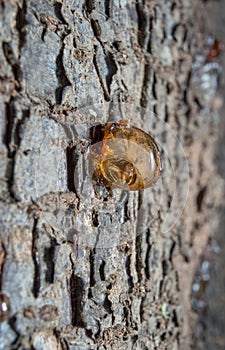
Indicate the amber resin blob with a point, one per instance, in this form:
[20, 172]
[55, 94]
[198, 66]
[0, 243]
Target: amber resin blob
[124, 157]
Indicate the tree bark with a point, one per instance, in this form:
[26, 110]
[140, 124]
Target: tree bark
[78, 272]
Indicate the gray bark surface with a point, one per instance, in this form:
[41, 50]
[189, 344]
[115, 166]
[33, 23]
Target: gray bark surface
[80, 273]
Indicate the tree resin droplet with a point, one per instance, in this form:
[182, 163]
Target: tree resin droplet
[4, 307]
[124, 157]
[213, 47]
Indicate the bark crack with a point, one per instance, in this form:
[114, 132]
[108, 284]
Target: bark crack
[107, 8]
[36, 260]
[17, 341]
[147, 256]
[12, 138]
[13, 62]
[72, 159]
[92, 272]
[95, 62]
[63, 81]
[112, 69]
[21, 23]
[138, 248]
[109, 60]
[129, 275]
[89, 6]
[142, 22]
[77, 291]
[49, 258]
[58, 12]
[144, 91]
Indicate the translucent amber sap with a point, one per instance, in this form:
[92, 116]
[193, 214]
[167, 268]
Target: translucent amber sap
[125, 157]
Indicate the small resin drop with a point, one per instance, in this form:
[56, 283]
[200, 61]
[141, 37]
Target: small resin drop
[124, 157]
[4, 307]
[213, 47]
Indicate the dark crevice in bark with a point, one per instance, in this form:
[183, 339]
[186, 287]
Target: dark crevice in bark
[126, 213]
[77, 292]
[173, 31]
[129, 276]
[177, 281]
[95, 221]
[58, 12]
[147, 262]
[92, 271]
[198, 103]
[13, 62]
[12, 139]
[2, 261]
[166, 120]
[96, 30]
[164, 268]
[89, 6]
[164, 28]
[142, 309]
[107, 8]
[89, 333]
[36, 260]
[200, 198]
[72, 159]
[49, 258]
[10, 177]
[175, 319]
[188, 80]
[140, 200]
[2, 4]
[109, 60]
[169, 88]
[163, 337]
[173, 6]
[61, 341]
[106, 94]
[188, 115]
[16, 343]
[19, 127]
[160, 288]
[134, 339]
[145, 85]
[43, 34]
[171, 251]
[61, 76]
[149, 46]
[116, 44]
[126, 315]
[142, 22]
[139, 256]
[9, 120]
[108, 305]
[13, 134]
[97, 133]
[112, 69]
[21, 23]
[185, 33]
[154, 94]
[102, 270]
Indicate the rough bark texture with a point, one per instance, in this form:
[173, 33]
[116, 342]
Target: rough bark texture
[80, 273]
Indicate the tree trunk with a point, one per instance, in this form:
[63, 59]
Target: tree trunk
[78, 272]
